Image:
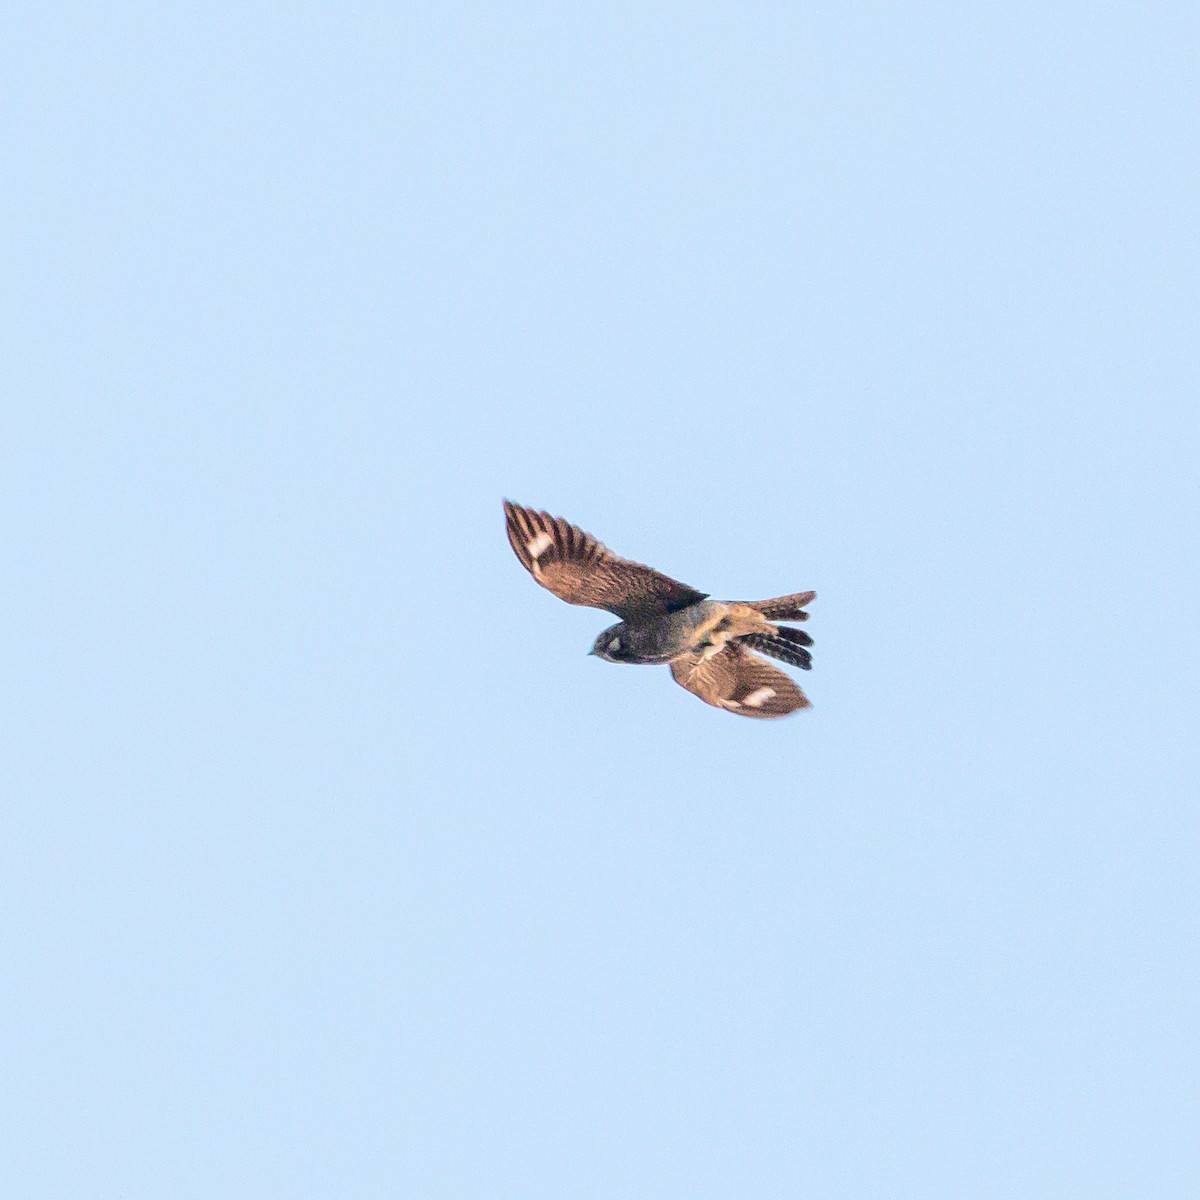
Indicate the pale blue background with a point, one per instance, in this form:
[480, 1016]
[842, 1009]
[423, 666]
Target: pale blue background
[332, 866]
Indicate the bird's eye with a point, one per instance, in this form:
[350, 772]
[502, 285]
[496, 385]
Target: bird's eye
[615, 644]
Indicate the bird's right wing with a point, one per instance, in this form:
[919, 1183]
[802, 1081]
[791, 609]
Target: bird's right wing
[580, 570]
[740, 682]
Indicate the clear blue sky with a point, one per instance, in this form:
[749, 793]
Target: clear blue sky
[331, 866]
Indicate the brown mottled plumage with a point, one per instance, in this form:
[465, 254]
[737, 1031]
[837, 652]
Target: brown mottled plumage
[739, 682]
[664, 621]
[581, 570]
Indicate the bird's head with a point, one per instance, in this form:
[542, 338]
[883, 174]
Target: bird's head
[611, 645]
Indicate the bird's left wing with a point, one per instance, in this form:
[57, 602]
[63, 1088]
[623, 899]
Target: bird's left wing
[740, 682]
[581, 570]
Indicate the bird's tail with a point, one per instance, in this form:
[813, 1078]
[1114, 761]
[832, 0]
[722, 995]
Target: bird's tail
[787, 645]
[784, 608]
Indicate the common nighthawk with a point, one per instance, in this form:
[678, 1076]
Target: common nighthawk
[707, 643]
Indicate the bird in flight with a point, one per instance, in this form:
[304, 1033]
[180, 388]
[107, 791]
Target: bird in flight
[708, 644]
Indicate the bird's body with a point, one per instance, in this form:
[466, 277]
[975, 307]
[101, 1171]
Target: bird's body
[705, 641]
[658, 639]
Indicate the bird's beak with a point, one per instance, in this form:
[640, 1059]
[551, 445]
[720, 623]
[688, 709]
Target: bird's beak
[592, 650]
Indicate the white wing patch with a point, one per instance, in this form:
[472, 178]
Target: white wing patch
[540, 544]
[759, 697]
